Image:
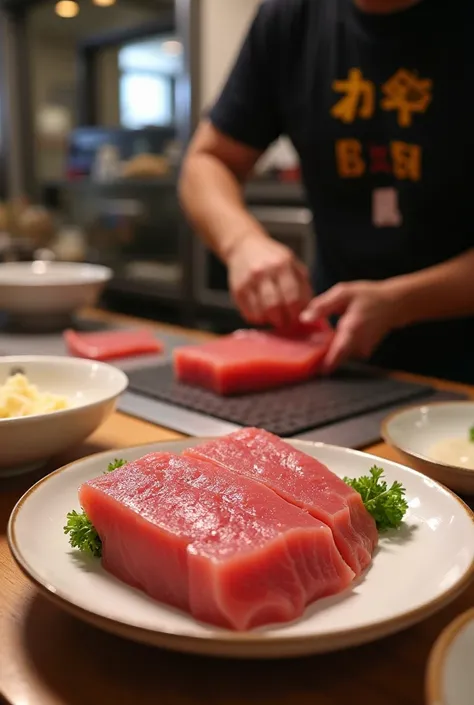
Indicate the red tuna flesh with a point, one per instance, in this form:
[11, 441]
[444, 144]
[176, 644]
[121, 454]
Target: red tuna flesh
[221, 546]
[251, 361]
[109, 345]
[303, 481]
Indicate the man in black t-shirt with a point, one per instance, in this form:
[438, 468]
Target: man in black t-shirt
[376, 98]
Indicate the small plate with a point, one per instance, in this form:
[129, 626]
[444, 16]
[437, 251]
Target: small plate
[450, 677]
[403, 586]
[414, 431]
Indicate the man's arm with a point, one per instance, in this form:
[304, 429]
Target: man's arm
[242, 124]
[369, 310]
[266, 280]
[443, 291]
[210, 189]
[269, 285]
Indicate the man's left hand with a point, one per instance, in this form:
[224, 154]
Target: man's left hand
[368, 312]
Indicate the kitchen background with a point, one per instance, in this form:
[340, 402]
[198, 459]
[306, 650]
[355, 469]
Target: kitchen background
[98, 99]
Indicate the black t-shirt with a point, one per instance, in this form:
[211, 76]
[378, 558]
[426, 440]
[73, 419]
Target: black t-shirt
[380, 109]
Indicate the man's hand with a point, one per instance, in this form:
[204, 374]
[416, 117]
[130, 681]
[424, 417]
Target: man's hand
[368, 312]
[267, 281]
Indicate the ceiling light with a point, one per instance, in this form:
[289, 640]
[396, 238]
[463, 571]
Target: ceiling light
[172, 47]
[67, 8]
[104, 3]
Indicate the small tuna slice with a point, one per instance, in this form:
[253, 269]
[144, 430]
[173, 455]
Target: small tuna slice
[109, 345]
[204, 539]
[303, 481]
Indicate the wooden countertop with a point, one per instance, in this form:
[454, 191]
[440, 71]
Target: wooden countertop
[49, 658]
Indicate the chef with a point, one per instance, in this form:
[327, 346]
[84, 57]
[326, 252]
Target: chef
[376, 97]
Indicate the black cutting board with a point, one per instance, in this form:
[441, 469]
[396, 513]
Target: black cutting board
[321, 402]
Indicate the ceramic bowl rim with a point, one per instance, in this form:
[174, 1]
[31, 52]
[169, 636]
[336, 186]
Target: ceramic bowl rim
[122, 383]
[98, 274]
[388, 438]
[439, 654]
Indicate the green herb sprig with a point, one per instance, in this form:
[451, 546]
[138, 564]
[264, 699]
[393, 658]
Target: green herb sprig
[471, 434]
[387, 505]
[82, 534]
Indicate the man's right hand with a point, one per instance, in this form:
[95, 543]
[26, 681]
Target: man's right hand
[269, 284]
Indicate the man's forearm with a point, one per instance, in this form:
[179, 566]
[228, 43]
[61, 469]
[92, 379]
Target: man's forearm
[213, 201]
[443, 291]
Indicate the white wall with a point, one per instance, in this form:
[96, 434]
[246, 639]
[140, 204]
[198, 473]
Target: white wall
[223, 26]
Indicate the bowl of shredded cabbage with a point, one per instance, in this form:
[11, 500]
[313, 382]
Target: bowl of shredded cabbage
[49, 404]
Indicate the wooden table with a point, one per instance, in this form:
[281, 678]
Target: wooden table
[50, 658]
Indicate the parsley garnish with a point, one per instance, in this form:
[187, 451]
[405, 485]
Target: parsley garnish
[387, 505]
[82, 534]
[471, 434]
[115, 465]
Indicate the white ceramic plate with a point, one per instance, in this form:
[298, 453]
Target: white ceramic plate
[450, 678]
[404, 585]
[414, 432]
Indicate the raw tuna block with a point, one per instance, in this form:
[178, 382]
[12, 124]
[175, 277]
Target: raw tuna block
[251, 361]
[221, 546]
[303, 481]
[109, 345]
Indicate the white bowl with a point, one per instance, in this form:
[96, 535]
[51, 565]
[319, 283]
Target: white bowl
[37, 289]
[450, 677]
[415, 431]
[92, 388]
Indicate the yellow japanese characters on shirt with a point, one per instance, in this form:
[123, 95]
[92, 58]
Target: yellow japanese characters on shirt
[405, 94]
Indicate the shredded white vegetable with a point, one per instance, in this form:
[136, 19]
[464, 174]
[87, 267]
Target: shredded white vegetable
[18, 397]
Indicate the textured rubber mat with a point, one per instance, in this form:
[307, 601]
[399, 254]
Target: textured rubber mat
[287, 411]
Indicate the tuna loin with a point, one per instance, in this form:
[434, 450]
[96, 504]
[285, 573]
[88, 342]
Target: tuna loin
[251, 361]
[303, 481]
[219, 545]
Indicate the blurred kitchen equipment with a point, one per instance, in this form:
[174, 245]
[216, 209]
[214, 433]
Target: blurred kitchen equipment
[37, 225]
[70, 244]
[145, 166]
[134, 227]
[280, 161]
[15, 249]
[4, 224]
[15, 210]
[86, 142]
[107, 164]
[44, 255]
